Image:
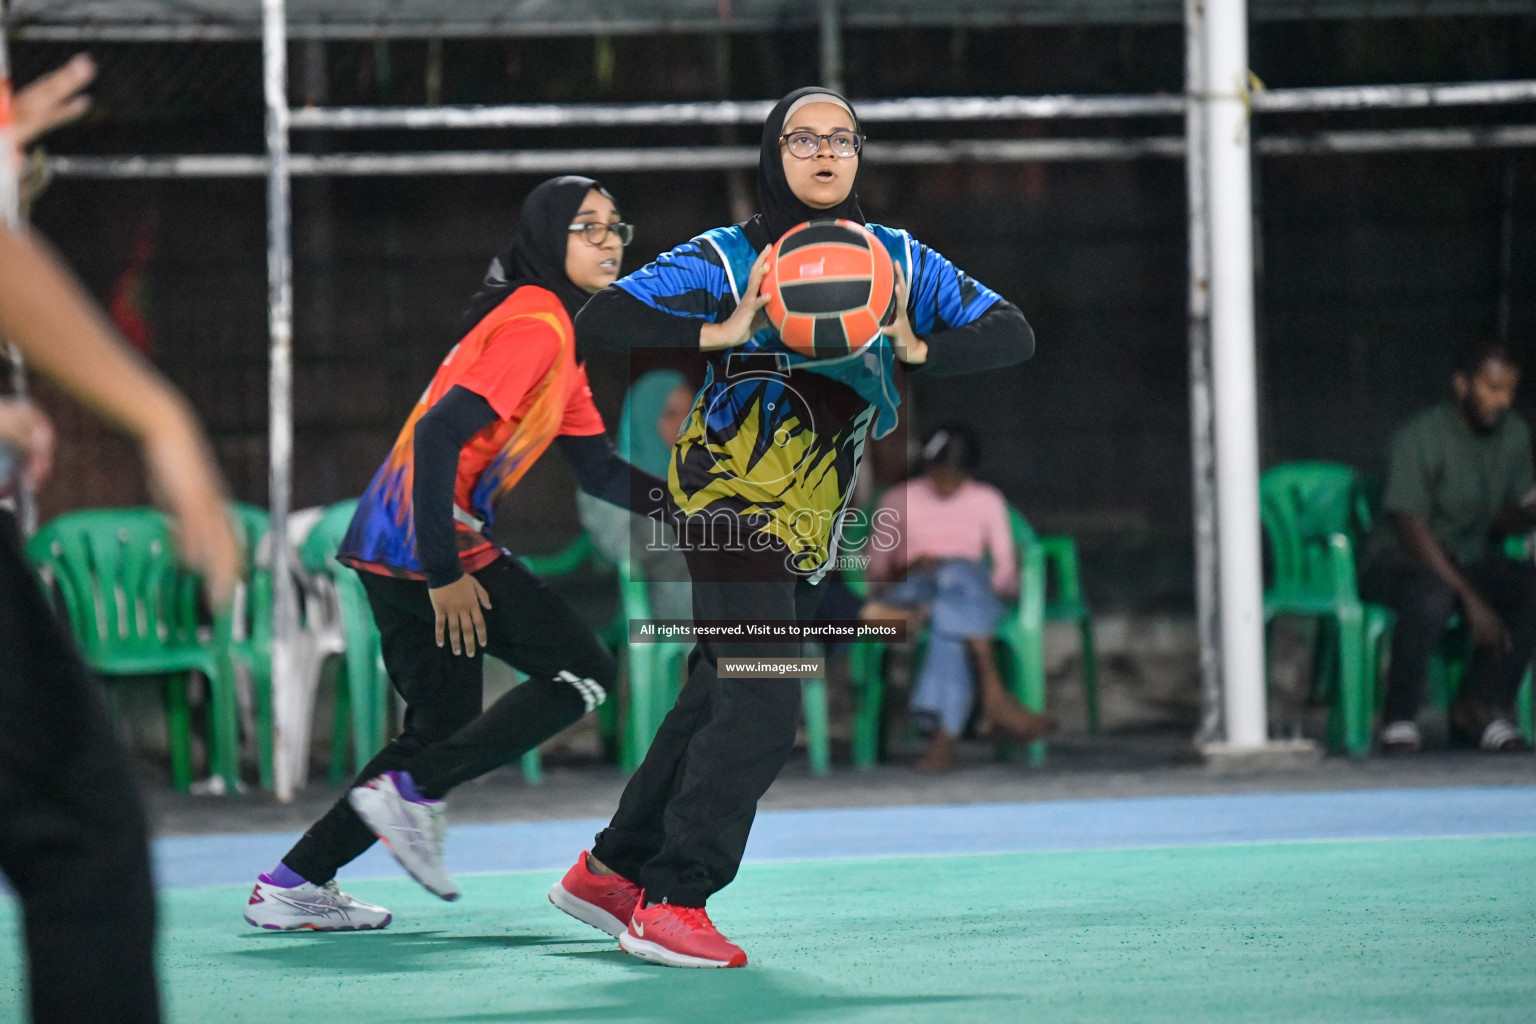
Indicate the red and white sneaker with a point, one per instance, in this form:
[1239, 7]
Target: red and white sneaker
[679, 937]
[605, 902]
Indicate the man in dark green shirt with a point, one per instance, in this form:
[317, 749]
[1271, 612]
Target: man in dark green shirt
[1459, 477]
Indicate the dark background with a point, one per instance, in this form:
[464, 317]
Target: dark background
[1371, 266]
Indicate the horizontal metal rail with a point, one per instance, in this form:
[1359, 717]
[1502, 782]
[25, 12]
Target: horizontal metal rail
[916, 109]
[712, 158]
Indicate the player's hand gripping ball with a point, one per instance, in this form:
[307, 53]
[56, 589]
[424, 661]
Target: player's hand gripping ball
[831, 287]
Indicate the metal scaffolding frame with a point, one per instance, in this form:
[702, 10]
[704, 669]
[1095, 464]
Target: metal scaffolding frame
[1216, 108]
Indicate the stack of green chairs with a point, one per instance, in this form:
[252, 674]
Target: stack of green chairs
[135, 612]
[1020, 636]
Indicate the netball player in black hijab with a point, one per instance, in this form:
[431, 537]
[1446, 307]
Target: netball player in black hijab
[440, 587]
[771, 449]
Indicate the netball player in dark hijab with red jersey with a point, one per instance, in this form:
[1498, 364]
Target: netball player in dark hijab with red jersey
[442, 590]
[771, 451]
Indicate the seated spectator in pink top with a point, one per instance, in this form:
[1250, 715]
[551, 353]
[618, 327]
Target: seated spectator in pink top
[954, 564]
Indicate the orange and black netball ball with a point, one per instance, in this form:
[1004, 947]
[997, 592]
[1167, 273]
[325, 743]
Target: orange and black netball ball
[831, 287]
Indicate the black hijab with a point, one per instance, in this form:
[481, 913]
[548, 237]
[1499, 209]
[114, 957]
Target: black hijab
[536, 254]
[780, 208]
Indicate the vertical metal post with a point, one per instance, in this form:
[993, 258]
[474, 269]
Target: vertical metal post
[832, 44]
[280, 393]
[1202, 441]
[10, 215]
[1235, 395]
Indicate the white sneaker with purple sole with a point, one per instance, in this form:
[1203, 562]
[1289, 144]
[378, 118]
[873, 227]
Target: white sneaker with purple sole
[310, 907]
[412, 829]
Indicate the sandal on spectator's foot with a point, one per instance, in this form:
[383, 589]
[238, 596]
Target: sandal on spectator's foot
[1401, 738]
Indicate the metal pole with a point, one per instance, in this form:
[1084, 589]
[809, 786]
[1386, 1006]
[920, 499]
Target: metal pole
[280, 394]
[1229, 174]
[1202, 440]
[832, 44]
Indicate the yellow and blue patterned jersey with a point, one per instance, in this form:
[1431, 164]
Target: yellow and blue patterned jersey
[775, 437]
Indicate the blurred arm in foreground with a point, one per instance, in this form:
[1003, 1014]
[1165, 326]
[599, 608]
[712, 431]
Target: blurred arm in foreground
[53, 100]
[47, 316]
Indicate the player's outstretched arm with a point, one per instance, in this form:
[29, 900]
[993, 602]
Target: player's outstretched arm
[44, 312]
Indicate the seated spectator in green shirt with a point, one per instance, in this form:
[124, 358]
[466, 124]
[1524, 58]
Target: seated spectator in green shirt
[1458, 480]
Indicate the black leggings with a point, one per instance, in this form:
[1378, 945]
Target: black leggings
[72, 839]
[682, 823]
[447, 739]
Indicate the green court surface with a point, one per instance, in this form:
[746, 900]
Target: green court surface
[1393, 930]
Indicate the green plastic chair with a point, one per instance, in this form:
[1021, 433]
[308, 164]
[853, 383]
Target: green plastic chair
[135, 612]
[1313, 514]
[1020, 641]
[656, 673]
[657, 670]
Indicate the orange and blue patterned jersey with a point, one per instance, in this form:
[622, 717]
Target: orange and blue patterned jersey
[521, 359]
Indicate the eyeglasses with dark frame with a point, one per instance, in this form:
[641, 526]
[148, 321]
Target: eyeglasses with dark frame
[803, 145]
[596, 232]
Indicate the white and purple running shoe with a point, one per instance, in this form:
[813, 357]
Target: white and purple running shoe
[310, 907]
[410, 825]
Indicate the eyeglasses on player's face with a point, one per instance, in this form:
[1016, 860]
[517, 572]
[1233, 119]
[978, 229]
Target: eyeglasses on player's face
[596, 233]
[802, 145]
